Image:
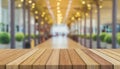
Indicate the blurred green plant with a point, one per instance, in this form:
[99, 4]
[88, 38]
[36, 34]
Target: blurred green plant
[108, 39]
[94, 37]
[118, 38]
[4, 38]
[19, 37]
[88, 36]
[102, 36]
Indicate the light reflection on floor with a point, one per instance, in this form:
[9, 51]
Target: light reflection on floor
[60, 42]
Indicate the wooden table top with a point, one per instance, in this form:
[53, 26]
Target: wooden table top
[60, 43]
[63, 58]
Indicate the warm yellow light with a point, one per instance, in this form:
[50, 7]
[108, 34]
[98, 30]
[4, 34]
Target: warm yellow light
[73, 18]
[83, 2]
[36, 12]
[30, 1]
[78, 18]
[33, 4]
[88, 5]
[42, 22]
[22, 0]
[95, 11]
[19, 5]
[86, 14]
[78, 14]
[33, 7]
[58, 8]
[58, 3]
[58, 11]
[59, 0]
[101, 6]
[36, 17]
[43, 13]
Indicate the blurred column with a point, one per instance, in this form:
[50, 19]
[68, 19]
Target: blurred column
[39, 39]
[85, 30]
[35, 21]
[114, 23]
[29, 25]
[12, 23]
[98, 26]
[81, 30]
[0, 11]
[91, 26]
[24, 21]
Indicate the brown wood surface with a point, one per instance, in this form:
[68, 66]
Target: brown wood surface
[41, 62]
[53, 61]
[103, 63]
[90, 63]
[12, 56]
[77, 62]
[46, 57]
[65, 62]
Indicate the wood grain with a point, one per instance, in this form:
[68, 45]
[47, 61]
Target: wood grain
[15, 64]
[77, 62]
[110, 59]
[27, 64]
[12, 57]
[42, 60]
[90, 63]
[65, 62]
[53, 62]
[104, 64]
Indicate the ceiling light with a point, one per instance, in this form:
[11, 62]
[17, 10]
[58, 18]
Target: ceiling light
[59, 0]
[86, 14]
[36, 17]
[30, 1]
[58, 3]
[22, 0]
[36, 12]
[58, 8]
[73, 18]
[42, 22]
[33, 7]
[78, 14]
[19, 5]
[88, 5]
[83, 2]
[33, 4]
[58, 11]
[101, 6]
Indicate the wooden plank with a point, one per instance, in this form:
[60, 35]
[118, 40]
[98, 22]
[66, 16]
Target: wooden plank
[90, 63]
[65, 62]
[113, 52]
[76, 61]
[116, 50]
[110, 54]
[15, 64]
[110, 59]
[103, 63]
[53, 62]
[7, 54]
[71, 44]
[3, 51]
[11, 58]
[41, 62]
[27, 64]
